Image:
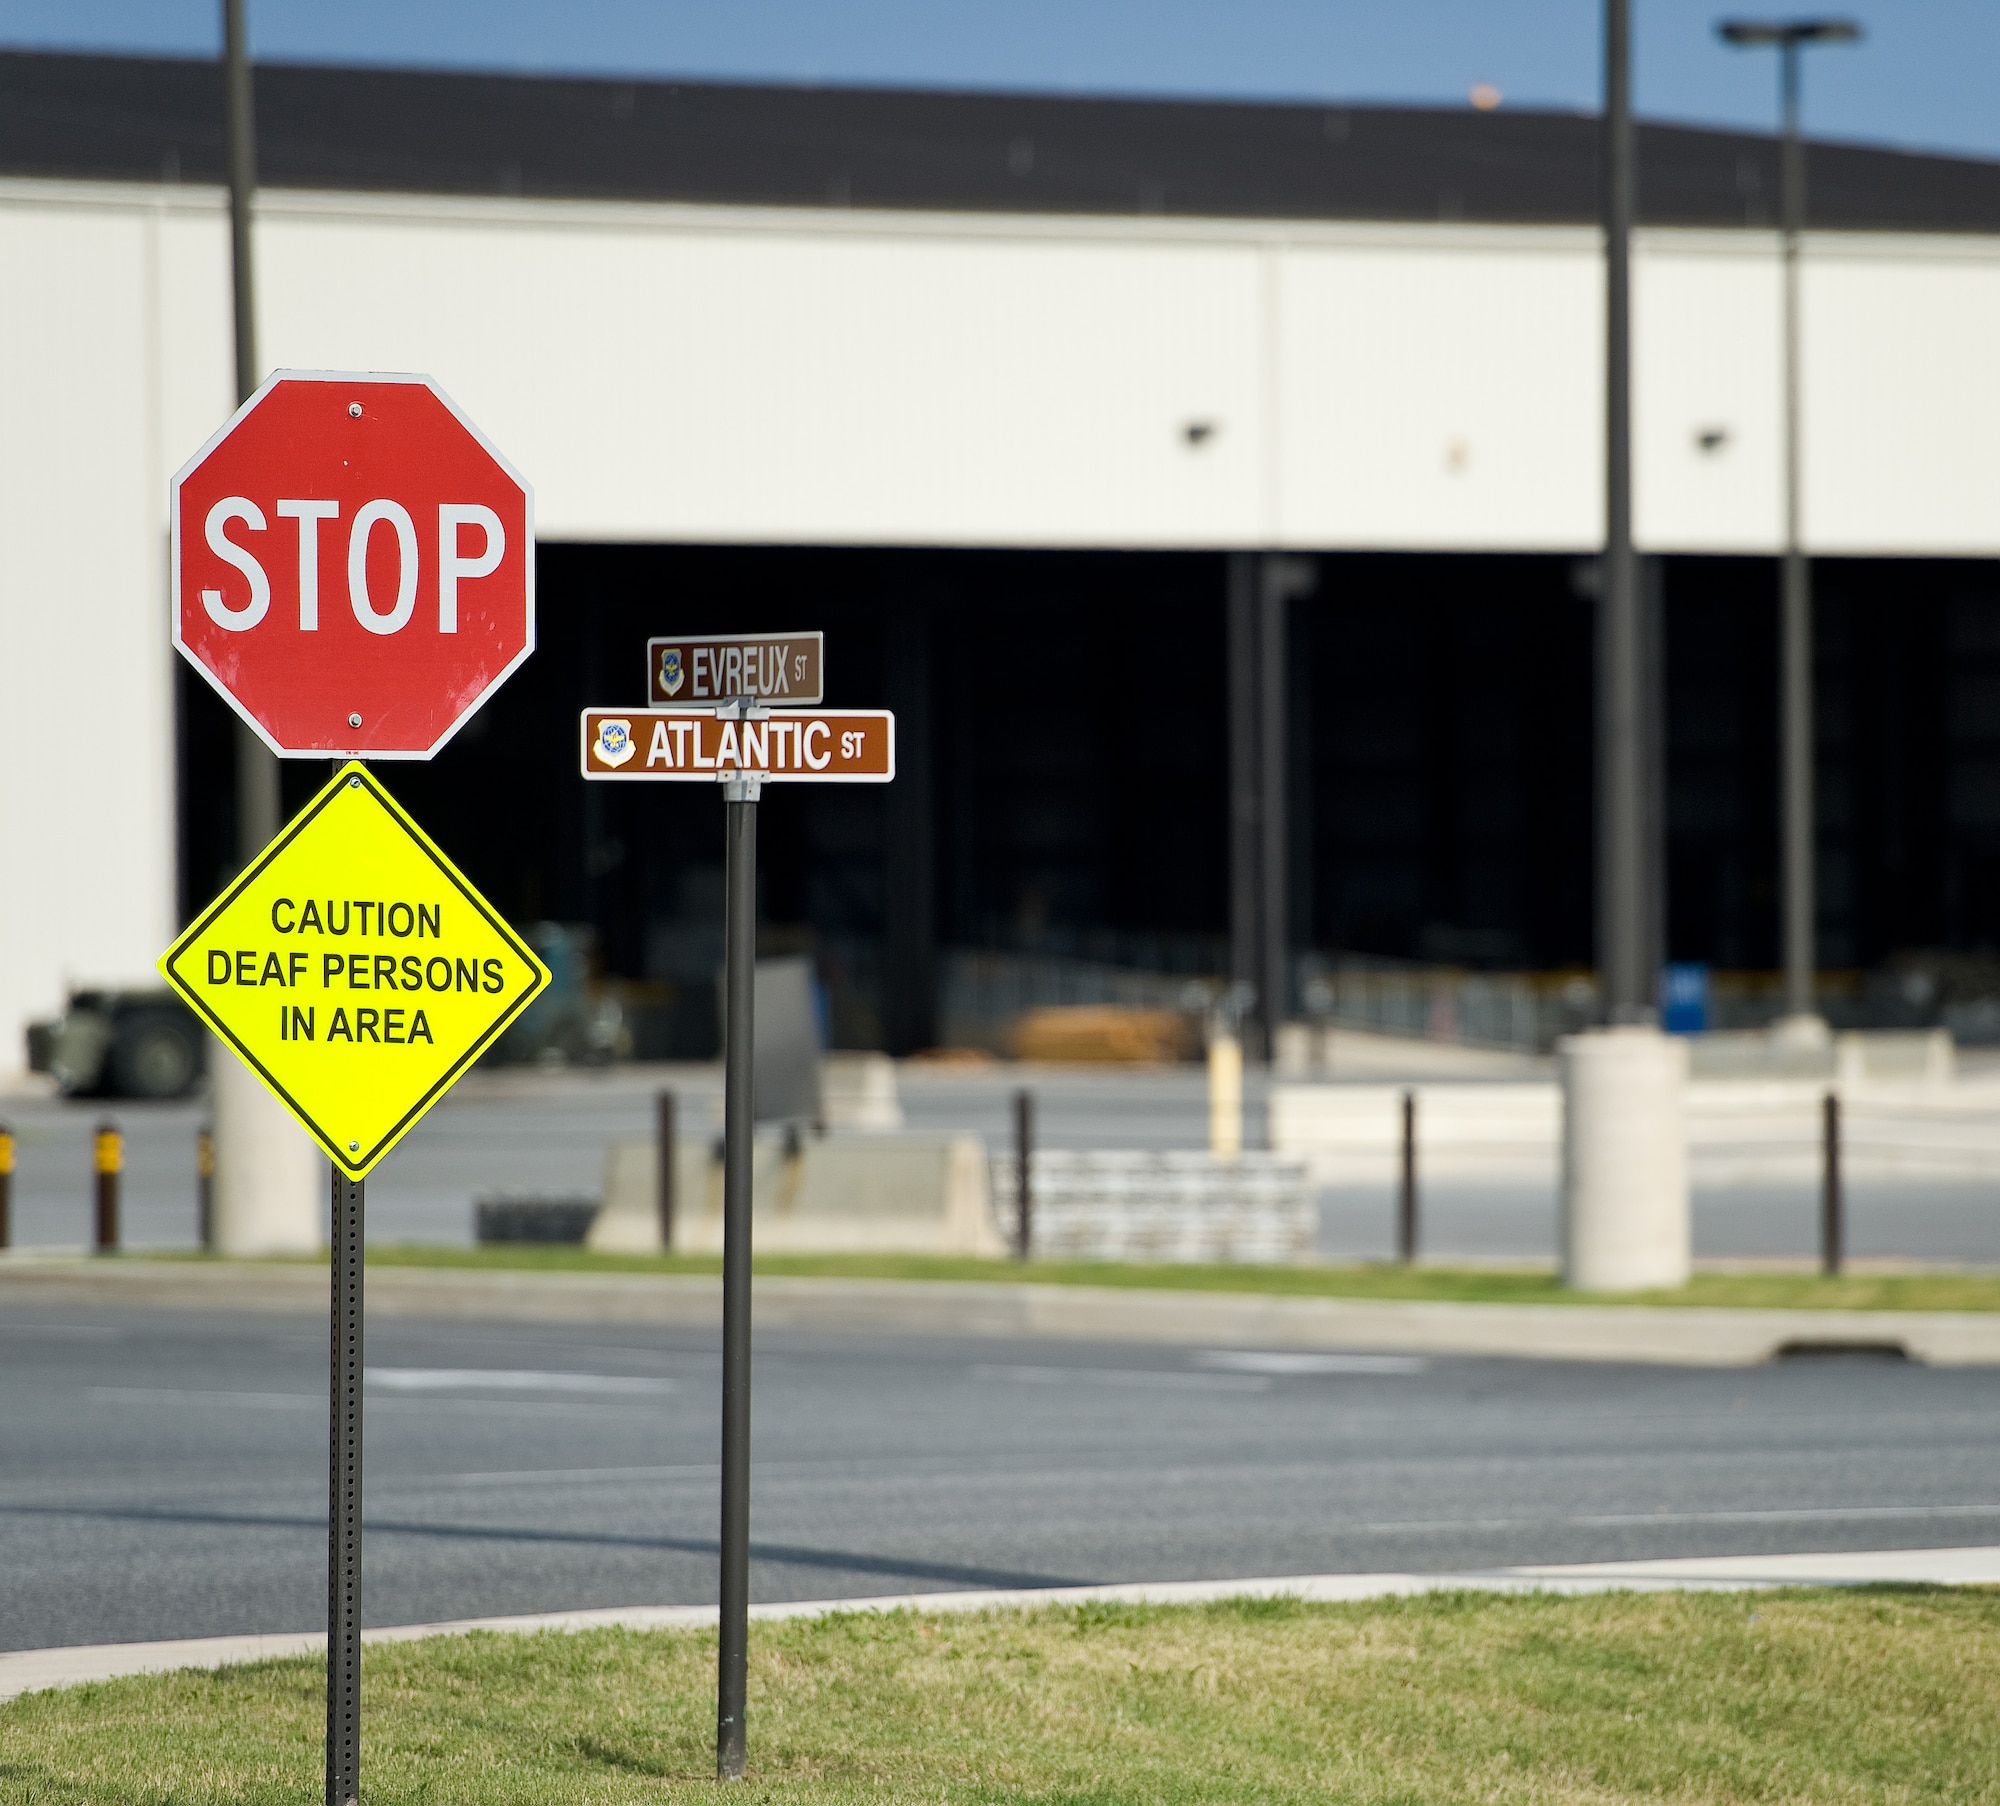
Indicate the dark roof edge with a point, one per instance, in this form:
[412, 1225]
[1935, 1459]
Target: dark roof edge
[384, 128]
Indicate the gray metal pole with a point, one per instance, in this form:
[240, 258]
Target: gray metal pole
[1406, 1203]
[1276, 580]
[258, 805]
[667, 1155]
[343, 1517]
[240, 133]
[1795, 604]
[739, 985]
[1024, 1173]
[1621, 852]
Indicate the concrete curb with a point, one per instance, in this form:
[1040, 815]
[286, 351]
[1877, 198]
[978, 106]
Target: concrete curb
[1664, 1335]
[31, 1670]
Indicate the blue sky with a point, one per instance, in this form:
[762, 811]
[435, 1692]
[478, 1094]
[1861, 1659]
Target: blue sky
[1925, 77]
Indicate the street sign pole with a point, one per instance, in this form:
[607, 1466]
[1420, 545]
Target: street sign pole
[738, 1115]
[722, 728]
[343, 1511]
[357, 1023]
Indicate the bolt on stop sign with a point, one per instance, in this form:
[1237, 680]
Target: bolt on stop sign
[353, 565]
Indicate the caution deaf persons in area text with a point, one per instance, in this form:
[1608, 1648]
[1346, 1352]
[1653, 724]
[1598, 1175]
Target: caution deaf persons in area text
[355, 970]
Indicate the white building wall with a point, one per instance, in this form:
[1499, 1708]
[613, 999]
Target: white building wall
[1707, 400]
[1901, 398]
[89, 400]
[664, 377]
[742, 375]
[1442, 390]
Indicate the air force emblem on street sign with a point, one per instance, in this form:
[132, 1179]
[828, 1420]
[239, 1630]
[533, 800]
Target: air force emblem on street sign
[670, 671]
[614, 741]
[354, 970]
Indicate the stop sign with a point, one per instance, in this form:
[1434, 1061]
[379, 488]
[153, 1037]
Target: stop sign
[353, 565]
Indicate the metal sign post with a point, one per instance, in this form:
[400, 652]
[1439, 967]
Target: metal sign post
[356, 1021]
[743, 744]
[738, 1116]
[343, 1505]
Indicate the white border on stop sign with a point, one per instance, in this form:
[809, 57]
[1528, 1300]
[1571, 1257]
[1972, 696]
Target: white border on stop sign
[174, 555]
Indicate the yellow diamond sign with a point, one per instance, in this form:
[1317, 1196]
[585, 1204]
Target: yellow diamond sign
[354, 969]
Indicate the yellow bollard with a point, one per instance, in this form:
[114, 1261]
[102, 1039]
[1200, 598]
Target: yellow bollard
[6, 1186]
[204, 1187]
[108, 1162]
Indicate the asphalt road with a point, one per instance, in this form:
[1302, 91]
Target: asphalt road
[164, 1475]
[546, 1133]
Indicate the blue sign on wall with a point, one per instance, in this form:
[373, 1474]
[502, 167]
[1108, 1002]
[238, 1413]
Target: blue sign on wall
[1684, 999]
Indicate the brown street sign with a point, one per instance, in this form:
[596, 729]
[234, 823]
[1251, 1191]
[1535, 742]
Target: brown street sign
[694, 746]
[697, 670]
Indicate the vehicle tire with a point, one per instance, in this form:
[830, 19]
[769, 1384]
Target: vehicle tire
[155, 1055]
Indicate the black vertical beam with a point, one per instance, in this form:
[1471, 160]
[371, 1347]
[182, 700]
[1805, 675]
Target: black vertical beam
[1653, 720]
[1301, 647]
[343, 1517]
[1261, 588]
[1832, 1213]
[739, 984]
[1276, 577]
[1621, 851]
[1245, 866]
[909, 926]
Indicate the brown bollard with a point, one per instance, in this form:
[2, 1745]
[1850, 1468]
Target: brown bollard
[6, 1186]
[1024, 1166]
[107, 1160]
[666, 1200]
[1832, 1213]
[204, 1187]
[1406, 1202]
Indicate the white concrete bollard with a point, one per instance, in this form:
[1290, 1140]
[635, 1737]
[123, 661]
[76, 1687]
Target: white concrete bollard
[271, 1181]
[1225, 1093]
[1624, 1178]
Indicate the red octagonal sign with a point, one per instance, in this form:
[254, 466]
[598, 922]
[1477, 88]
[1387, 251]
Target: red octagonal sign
[353, 565]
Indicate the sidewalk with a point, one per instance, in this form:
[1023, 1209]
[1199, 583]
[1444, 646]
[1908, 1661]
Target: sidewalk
[1676, 1336]
[28, 1670]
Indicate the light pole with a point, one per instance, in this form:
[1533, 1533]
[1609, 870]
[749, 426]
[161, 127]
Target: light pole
[1622, 876]
[1788, 37]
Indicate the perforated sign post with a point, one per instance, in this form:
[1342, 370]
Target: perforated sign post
[353, 569]
[742, 745]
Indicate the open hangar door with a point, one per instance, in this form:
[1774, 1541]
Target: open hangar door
[1061, 775]
[1063, 786]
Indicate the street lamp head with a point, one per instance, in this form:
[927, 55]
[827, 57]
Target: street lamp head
[1748, 33]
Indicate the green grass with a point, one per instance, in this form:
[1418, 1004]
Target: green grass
[1758, 1291]
[1829, 1698]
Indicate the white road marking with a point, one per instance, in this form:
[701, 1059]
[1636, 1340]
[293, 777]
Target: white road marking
[502, 1379]
[1234, 1360]
[1143, 1378]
